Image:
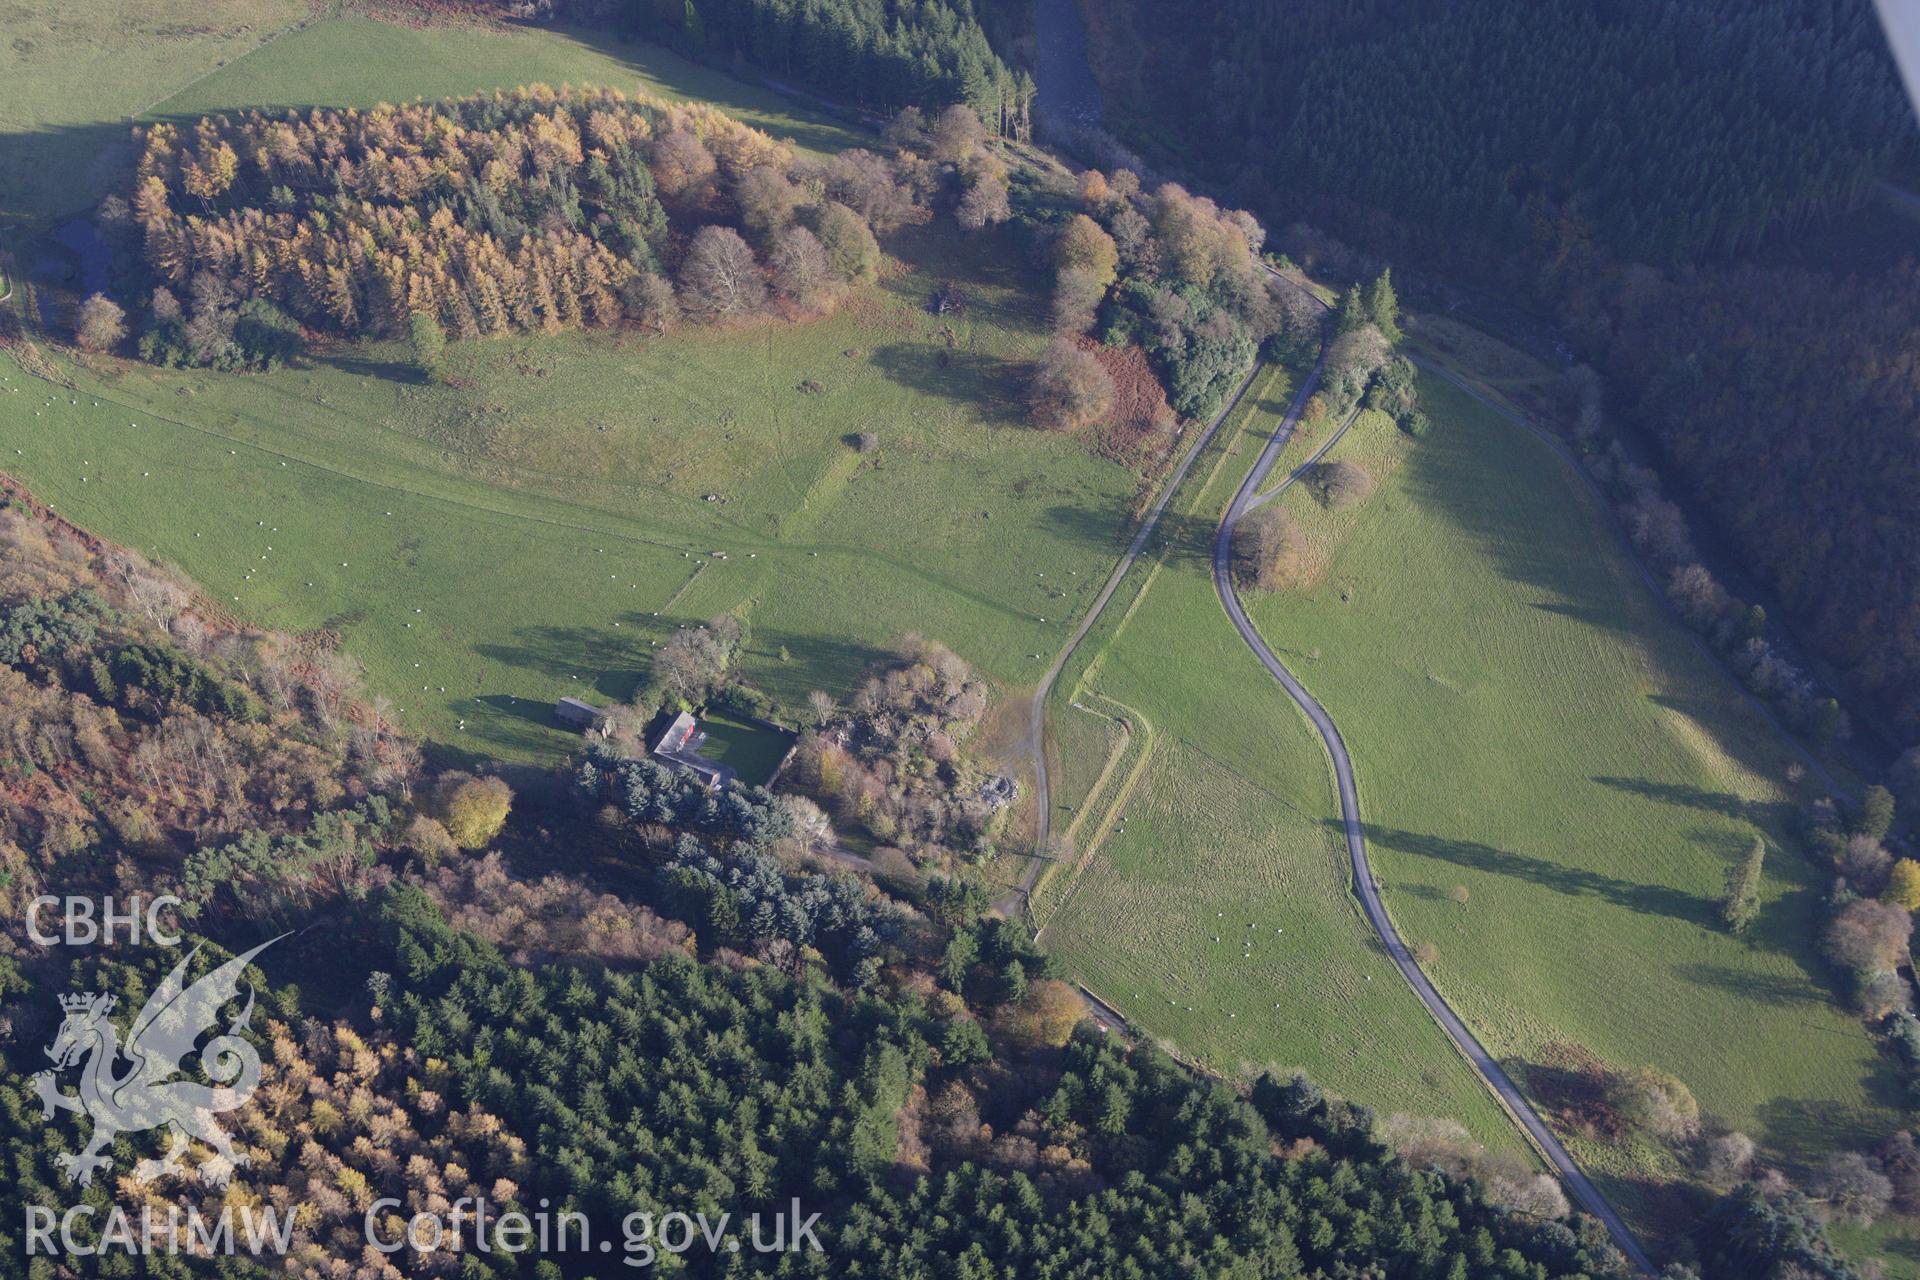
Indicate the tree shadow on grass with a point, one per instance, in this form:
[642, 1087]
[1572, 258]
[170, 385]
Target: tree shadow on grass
[1529, 532]
[1806, 1131]
[1766, 988]
[835, 664]
[602, 661]
[1571, 1092]
[532, 710]
[1772, 815]
[1591, 615]
[613, 665]
[1109, 523]
[990, 265]
[986, 384]
[353, 361]
[1576, 882]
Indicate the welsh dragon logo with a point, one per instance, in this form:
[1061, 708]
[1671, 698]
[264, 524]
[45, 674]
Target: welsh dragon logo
[145, 1095]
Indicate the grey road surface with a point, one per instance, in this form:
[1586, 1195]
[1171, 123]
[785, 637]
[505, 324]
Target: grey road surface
[1363, 883]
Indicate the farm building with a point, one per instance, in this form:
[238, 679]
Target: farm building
[679, 743]
[576, 714]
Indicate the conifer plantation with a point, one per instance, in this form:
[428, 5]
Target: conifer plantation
[523, 211]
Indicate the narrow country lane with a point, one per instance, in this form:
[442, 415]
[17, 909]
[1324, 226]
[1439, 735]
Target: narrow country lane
[1245, 499]
[1363, 883]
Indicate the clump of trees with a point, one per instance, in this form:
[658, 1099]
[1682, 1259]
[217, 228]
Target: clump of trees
[1867, 932]
[1902, 1032]
[1654, 1102]
[1867, 939]
[529, 210]
[551, 918]
[1658, 531]
[1740, 905]
[147, 730]
[472, 809]
[218, 328]
[101, 324]
[1175, 274]
[693, 664]
[1069, 388]
[1770, 1229]
[1507, 1178]
[1353, 358]
[950, 160]
[1764, 1225]
[892, 762]
[1362, 370]
[650, 793]
[720, 278]
[1269, 551]
[1341, 484]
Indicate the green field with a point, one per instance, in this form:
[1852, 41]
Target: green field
[358, 62]
[73, 85]
[752, 751]
[73, 77]
[539, 530]
[483, 550]
[1215, 914]
[1526, 720]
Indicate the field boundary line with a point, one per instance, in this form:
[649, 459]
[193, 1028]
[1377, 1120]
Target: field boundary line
[686, 586]
[388, 485]
[1085, 857]
[1112, 762]
[308, 19]
[1036, 739]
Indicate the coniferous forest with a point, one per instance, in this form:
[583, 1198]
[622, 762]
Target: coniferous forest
[522, 211]
[878, 54]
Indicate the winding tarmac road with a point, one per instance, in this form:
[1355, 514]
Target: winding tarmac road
[1364, 887]
[1245, 499]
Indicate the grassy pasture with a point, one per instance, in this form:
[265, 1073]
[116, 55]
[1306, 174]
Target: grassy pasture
[1214, 911]
[74, 79]
[1526, 721]
[74, 75]
[753, 751]
[550, 523]
[540, 529]
[965, 525]
[357, 62]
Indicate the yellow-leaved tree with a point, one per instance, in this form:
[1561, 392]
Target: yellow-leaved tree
[474, 809]
[1903, 884]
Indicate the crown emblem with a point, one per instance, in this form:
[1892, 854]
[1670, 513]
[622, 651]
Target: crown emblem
[85, 1002]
